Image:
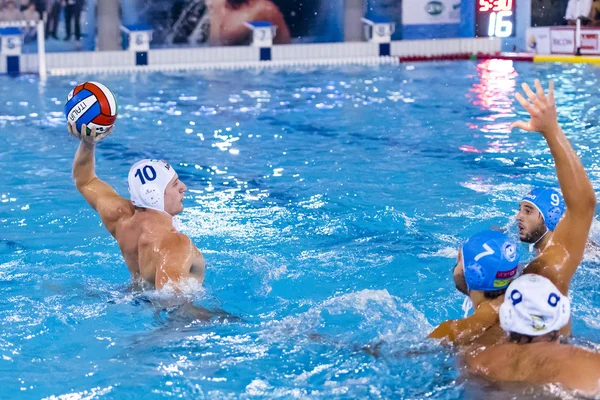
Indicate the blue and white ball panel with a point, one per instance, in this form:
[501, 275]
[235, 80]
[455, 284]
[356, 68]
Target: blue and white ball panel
[83, 107]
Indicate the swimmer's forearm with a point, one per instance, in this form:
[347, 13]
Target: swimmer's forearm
[574, 183]
[464, 331]
[457, 332]
[83, 165]
[443, 331]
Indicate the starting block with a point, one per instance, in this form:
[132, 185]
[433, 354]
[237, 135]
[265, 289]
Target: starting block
[137, 39]
[262, 33]
[380, 30]
[262, 37]
[11, 44]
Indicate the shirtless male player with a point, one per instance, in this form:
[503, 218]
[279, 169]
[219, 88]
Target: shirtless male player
[564, 250]
[532, 314]
[143, 226]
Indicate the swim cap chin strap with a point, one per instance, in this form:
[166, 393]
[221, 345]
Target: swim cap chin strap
[532, 245]
[467, 306]
[147, 181]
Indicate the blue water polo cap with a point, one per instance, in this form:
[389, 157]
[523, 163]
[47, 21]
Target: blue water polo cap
[549, 203]
[490, 261]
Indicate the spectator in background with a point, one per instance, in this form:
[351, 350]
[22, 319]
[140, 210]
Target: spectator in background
[73, 10]
[578, 9]
[40, 6]
[30, 14]
[595, 13]
[54, 8]
[23, 5]
[11, 12]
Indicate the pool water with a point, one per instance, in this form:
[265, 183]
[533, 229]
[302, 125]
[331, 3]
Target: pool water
[328, 204]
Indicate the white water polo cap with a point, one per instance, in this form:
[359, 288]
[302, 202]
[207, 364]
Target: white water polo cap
[533, 306]
[147, 181]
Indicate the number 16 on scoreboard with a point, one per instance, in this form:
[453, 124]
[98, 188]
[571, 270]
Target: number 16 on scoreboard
[495, 18]
[500, 24]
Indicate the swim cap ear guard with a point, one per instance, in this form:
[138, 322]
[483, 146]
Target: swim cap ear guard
[147, 181]
[533, 306]
[549, 203]
[490, 261]
[150, 195]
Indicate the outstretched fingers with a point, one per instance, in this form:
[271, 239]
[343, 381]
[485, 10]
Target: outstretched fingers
[540, 91]
[532, 97]
[531, 109]
[540, 107]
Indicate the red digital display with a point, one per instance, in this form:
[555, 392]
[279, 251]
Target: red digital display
[495, 6]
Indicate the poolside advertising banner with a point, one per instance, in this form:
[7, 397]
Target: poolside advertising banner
[590, 41]
[414, 18]
[222, 22]
[428, 12]
[430, 19]
[561, 40]
[538, 40]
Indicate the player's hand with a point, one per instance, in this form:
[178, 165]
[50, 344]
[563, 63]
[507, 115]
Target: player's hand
[540, 107]
[87, 135]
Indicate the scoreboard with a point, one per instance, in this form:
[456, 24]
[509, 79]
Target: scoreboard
[495, 18]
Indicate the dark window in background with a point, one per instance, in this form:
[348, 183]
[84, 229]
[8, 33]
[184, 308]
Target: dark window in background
[548, 12]
[299, 15]
[160, 16]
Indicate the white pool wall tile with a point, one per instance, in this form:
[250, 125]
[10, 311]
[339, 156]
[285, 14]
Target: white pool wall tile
[248, 57]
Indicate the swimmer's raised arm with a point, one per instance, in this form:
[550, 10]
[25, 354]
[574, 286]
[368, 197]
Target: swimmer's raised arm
[99, 195]
[563, 254]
